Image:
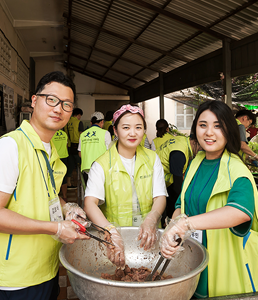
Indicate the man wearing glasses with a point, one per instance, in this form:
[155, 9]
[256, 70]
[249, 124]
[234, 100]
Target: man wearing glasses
[31, 213]
[244, 119]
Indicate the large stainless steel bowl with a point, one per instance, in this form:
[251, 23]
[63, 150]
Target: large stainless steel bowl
[86, 260]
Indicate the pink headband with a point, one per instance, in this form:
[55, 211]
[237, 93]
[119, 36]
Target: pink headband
[128, 107]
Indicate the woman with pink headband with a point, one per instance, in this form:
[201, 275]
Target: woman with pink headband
[126, 185]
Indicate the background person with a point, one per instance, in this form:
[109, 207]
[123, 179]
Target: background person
[108, 124]
[220, 197]
[30, 209]
[93, 143]
[252, 130]
[162, 133]
[73, 129]
[60, 140]
[175, 155]
[244, 119]
[129, 180]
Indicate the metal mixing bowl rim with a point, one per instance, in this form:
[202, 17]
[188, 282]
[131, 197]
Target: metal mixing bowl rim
[124, 284]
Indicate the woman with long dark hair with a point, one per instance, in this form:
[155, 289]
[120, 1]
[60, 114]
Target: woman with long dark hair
[219, 202]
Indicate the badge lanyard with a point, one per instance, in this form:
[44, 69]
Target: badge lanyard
[54, 204]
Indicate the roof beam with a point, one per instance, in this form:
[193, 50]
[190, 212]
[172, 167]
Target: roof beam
[68, 23]
[231, 13]
[118, 57]
[140, 33]
[129, 39]
[43, 54]
[96, 76]
[97, 35]
[178, 18]
[22, 24]
[103, 66]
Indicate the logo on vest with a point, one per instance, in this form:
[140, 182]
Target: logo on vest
[145, 176]
[90, 134]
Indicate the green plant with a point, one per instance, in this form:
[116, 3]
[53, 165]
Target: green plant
[174, 131]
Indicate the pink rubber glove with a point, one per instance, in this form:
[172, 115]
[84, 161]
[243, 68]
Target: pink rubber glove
[180, 227]
[148, 230]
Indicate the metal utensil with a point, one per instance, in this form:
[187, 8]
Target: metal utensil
[84, 230]
[158, 277]
[150, 276]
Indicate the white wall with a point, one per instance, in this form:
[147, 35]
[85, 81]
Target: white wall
[13, 42]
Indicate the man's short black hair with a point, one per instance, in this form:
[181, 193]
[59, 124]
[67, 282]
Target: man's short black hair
[77, 111]
[248, 113]
[55, 76]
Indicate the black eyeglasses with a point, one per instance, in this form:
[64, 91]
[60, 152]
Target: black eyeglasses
[54, 101]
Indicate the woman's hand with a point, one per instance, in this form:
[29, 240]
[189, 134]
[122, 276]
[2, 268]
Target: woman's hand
[116, 254]
[148, 230]
[178, 228]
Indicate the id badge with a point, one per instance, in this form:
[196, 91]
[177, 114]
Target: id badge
[137, 220]
[197, 235]
[55, 210]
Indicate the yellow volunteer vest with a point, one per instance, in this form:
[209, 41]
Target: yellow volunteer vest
[60, 141]
[118, 187]
[232, 267]
[27, 260]
[175, 143]
[158, 141]
[72, 130]
[241, 153]
[107, 124]
[92, 145]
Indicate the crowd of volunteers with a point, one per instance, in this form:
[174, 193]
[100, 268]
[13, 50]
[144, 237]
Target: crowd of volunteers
[200, 182]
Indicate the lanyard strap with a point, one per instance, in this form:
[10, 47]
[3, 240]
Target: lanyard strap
[49, 170]
[47, 163]
[190, 197]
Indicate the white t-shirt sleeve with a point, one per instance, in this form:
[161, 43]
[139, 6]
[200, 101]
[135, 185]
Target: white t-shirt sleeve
[158, 180]
[95, 184]
[107, 139]
[9, 165]
[79, 145]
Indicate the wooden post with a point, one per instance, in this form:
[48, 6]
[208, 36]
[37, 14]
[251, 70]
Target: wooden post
[227, 81]
[161, 95]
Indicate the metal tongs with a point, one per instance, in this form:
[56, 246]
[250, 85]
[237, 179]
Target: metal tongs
[97, 227]
[158, 277]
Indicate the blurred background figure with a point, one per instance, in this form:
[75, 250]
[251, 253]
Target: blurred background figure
[93, 142]
[108, 124]
[60, 141]
[252, 130]
[162, 134]
[73, 129]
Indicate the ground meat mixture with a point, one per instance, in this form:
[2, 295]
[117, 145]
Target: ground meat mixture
[107, 237]
[132, 275]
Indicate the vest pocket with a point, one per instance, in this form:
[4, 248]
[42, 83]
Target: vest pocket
[250, 250]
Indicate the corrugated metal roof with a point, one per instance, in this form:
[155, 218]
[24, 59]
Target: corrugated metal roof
[127, 42]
